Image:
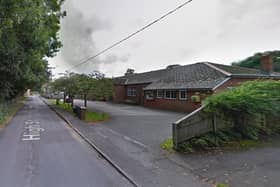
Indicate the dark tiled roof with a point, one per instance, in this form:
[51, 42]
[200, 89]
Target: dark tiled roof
[202, 75]
[141, 78]
[194, 76]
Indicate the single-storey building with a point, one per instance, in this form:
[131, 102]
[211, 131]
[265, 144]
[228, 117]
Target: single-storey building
[182, 88]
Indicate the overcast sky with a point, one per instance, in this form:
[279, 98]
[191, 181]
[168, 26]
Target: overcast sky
[219, 31]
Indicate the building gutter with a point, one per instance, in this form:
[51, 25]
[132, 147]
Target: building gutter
[255, 76]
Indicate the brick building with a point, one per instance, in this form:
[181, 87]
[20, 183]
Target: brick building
[182, 88]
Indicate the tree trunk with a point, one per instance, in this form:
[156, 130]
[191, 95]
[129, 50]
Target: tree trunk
[64, 97]
[85, 100]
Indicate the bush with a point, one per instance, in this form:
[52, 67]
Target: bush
[247, 106]
[253, 108]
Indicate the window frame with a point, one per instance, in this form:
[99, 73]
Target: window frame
[186, 95]
[131, 92]
[170, 98]
[162, 96]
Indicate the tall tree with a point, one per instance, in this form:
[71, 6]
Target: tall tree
[28, 36]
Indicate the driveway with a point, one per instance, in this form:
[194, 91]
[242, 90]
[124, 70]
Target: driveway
[148, 126]
[255, 167]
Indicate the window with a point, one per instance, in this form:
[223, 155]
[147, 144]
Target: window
[183, 95]
[170, 94]
[149, 95]
[131, 92]
[160, 93]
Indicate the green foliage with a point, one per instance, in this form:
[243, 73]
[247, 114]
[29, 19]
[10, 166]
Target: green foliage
[222, 185]
[225, 139]
[90, 115]
[28, 35]
[9, 108]
[95, 117]
[167, 145]
[246, 104]
[254, 61]
[81, 84]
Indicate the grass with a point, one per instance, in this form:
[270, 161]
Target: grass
[222, 185]
[7, 114]
[90, 115]
[94, 116]
[167, 145]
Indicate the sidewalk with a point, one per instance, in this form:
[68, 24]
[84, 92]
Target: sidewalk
[145, 167]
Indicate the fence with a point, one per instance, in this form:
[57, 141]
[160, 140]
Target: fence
[5, 108]
[195, 124]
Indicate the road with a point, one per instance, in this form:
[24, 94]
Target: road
[39, 150]
[137, 122]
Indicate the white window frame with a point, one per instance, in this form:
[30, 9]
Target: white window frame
[162, 96]
[131, 92]
[180, 96]
[170, 98]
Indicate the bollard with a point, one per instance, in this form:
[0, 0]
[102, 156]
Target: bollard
[83, 113]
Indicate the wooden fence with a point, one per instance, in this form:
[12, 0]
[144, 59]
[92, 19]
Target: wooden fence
[195, 124]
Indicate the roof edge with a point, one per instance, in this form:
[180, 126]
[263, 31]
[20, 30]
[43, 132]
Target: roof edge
[254, 76]
[216, 68]
[221, 83]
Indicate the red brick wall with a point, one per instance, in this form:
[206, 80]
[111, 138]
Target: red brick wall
[120, 94]
[176, 104]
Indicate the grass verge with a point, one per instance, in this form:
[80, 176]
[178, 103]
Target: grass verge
[10, 111]
[222, 185]
[90, 115]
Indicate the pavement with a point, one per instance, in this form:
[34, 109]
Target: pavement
[133, 135]
[38, 149]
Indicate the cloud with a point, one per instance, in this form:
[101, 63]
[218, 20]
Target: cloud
[112, 58]
[77, 35]
[249, 16]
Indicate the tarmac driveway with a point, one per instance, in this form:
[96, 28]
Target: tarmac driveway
[149, 127]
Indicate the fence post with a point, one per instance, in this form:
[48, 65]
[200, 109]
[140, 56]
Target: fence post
[214, 124]
[175, 136]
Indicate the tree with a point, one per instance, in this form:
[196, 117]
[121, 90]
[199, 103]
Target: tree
[28, 36]
[129, 72]
[254, 61]
[84, 85]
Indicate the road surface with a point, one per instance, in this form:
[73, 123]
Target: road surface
[39, 150]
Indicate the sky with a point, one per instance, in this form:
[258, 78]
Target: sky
[216, 31]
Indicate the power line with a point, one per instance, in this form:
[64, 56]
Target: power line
[131, 35]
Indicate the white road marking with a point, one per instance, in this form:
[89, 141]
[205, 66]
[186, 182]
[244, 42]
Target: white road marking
[128, 139]
[33, 131]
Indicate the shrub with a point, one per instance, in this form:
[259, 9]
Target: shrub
[253, 108]
[247, 105]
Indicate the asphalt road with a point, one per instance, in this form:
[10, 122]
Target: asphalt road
[39, 150]
[137, 122]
